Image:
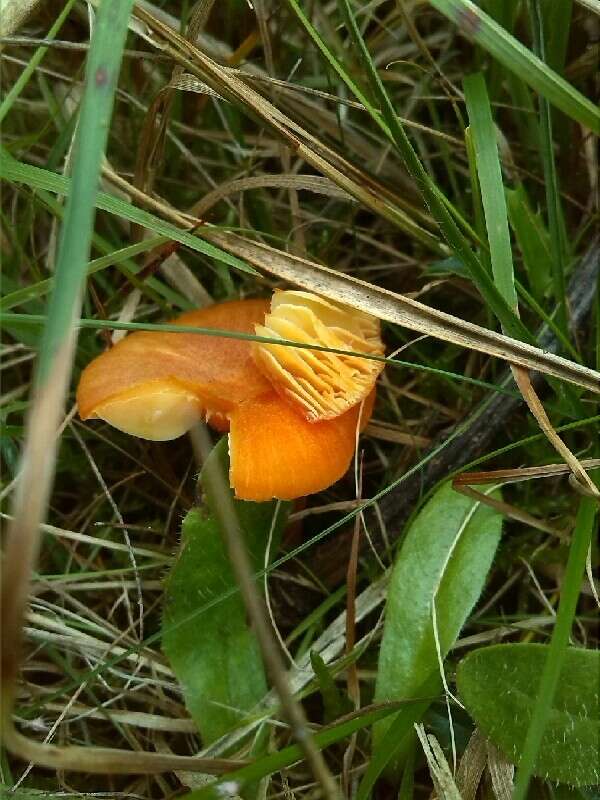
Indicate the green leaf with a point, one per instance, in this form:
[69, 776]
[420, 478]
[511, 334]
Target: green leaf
[498, 685]
[216, 657]
[440, 571]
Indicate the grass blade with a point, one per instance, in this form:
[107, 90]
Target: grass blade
[23, 79]
[580, 544]
[435, 200]
[494, 202]
[36, 290]
[557, 21]
[492, 37]
[381, 303]
[492, 190]
[553, 202]
[398, 309]
[532, 238]
[38, 178]
[277, 761]
[57, 347]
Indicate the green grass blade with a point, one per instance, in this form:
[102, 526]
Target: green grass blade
[532, 238]
[517, 58]
[55, 356]
[14, 320]
[23, 79]
[96, 109]
[557, 23]
[277, 761]
[38, 178]
[569, 595]
[492, 189]
[151, 287]
[402, 725]
[553, 202]
[37, 290]
[338, 67]
[432, 195]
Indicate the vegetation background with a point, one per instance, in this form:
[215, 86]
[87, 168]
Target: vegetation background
[443, 151]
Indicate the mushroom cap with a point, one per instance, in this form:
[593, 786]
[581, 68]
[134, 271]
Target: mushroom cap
[275, 452]
[157, 385]
[322, 385]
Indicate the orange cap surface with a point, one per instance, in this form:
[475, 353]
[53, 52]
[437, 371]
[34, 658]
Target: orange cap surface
[156, 385]
[276, 452]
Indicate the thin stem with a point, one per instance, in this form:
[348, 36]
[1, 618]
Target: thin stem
[217, 488]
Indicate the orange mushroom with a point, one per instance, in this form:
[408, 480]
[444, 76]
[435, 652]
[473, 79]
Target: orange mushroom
[292, 413]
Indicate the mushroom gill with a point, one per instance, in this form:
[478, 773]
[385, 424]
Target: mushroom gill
[321, 384]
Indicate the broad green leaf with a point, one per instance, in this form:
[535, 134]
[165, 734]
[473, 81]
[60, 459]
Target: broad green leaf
[439, 575]
[498, 685]
[215, 656]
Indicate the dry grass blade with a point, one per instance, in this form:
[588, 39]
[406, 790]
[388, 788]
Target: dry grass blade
[463, 484]
[311, 183]
[471, 767]
[537, 409]
[226, 82]
[110, 761]
[401, 310]
[501, 773]
[509, 511]
[438, 766]
[217, 486]
[522, 474]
